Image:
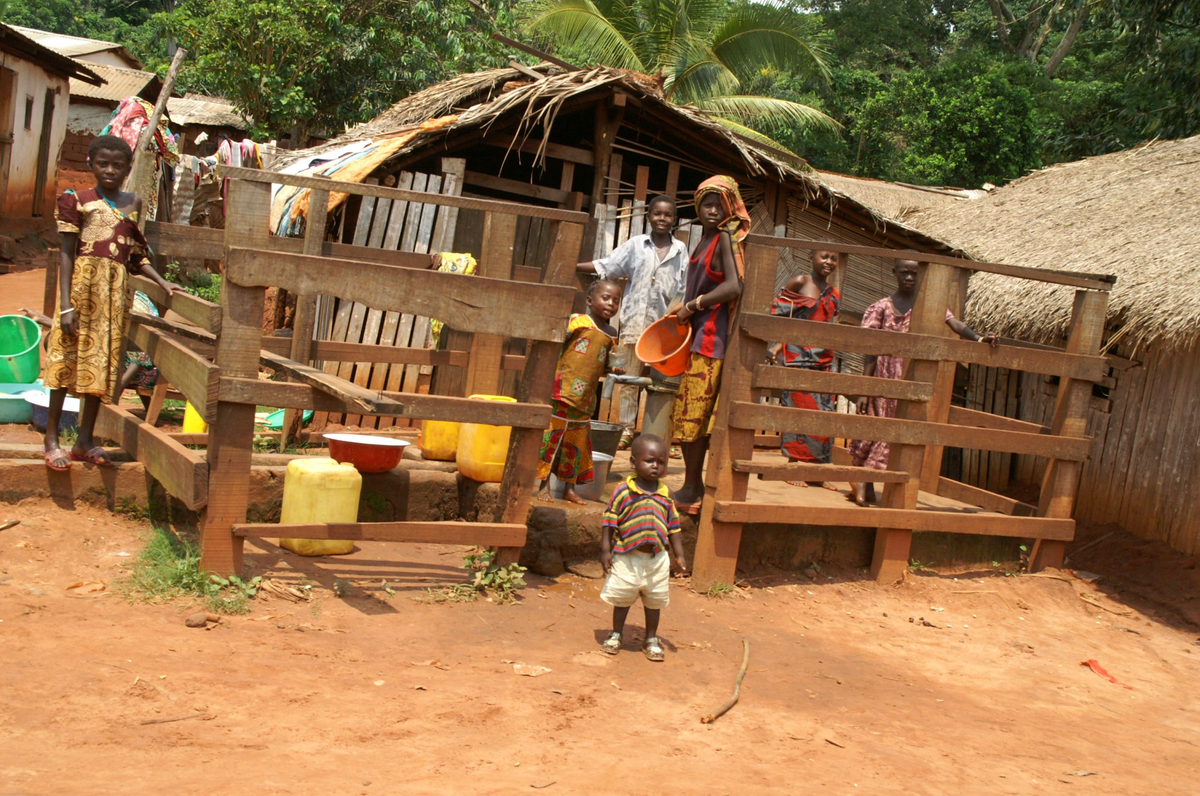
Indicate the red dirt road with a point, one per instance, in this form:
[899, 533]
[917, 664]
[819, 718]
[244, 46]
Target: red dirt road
[844, 695]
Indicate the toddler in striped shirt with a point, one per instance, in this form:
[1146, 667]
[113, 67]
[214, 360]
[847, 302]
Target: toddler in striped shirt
[637, 527]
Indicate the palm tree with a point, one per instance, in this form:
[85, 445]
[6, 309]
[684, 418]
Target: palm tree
[704, 50]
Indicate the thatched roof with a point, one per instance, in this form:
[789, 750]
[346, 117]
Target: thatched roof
[895, 200]
[1134, 214]
[481, 99]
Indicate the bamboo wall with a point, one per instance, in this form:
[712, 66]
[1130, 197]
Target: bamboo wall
[1144, 452]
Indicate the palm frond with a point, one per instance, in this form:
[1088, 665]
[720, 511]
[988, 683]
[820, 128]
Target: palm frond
[694, 72]
[579, 27]
[754, 135]
[769, 112]
[756, 35]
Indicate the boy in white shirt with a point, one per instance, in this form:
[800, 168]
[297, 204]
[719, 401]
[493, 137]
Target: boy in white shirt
[655, 266]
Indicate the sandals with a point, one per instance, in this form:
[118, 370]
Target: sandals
[57, 460]
[612, 644]
[652, 649]
[94, 455]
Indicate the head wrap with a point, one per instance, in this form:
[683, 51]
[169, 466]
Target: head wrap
[737, 219]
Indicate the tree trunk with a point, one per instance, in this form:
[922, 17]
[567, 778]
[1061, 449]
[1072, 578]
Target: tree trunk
[1032, 53]
[1068, 39]
[1003, 18]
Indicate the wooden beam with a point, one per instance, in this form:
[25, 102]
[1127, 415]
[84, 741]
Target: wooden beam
[968, 520]
[1104, 282]
[241, 390]
[187, 371]
[305, 321]
[203, 313]
[912, 345]
[359, 189]
[807, 471]
[345, 391]
[332, 351]
[182, 472]
[181, 240]
[484, 534]
[961, 416]
[570, 154]
[519, 187]
[495, 263]
[965, 493]
[478, 304]
[771, 377]
[764, 417]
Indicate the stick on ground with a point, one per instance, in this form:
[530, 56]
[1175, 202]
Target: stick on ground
[737, 689]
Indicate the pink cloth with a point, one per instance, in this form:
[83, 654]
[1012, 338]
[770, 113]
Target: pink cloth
[882, 315]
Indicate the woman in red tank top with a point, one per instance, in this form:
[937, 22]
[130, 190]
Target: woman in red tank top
[713, 286]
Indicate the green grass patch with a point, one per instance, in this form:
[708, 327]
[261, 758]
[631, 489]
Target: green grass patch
[168, 568]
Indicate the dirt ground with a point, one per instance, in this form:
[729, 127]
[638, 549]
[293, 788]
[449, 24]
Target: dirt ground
[373, 692]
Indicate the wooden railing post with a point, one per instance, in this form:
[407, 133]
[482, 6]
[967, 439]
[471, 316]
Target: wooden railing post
[495, 261]
[717, 542]
[892, 545]
[943, 385]
[306, 306]
[229, 437]
[1061, 481]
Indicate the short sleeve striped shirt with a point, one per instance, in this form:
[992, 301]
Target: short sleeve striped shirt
[636, 518]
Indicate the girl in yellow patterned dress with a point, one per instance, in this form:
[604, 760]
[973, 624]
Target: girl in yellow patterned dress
[101, 246]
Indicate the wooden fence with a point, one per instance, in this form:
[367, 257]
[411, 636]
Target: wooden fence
[915, 495]
[214, 358]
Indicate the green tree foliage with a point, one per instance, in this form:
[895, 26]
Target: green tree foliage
[315, 65]
[707, 52]
[126, 22]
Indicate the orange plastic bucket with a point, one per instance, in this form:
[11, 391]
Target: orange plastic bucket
[665, 345]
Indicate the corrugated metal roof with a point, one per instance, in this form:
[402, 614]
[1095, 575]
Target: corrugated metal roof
[121, 83]
[198, 109]
[77, 46]
[46, 56]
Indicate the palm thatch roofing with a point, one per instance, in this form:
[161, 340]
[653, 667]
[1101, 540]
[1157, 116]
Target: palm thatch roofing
[897, 201]
[1135, 214]
[435, 117]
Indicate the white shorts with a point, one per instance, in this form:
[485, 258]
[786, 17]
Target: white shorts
[637, 573]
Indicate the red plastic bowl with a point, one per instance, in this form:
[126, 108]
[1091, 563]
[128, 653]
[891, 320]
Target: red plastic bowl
[666, 344]
[368, 453]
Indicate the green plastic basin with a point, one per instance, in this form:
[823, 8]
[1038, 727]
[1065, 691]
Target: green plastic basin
[19, 338]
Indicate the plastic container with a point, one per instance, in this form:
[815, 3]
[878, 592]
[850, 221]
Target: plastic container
[192, 422]
[320, 490]
[665, 345]
[19, 338]
[483, 449]
[601, 464]
[13, 406]
[368, 453]
[605, 437]
[39, 402]
[275, 419]
[439, 440]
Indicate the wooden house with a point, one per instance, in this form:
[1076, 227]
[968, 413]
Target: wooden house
[1134, 214]
[599, 140]
[33, 122]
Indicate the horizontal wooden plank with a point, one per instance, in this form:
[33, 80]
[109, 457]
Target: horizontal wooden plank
[344, 391]
[189, 372]
[571, 154]
[965, 493]
[360, 189]
[203, 313]
[478, 304]
[422, 407]
[765, 417]
[314, 437]
[961, 416]
[520, 187]
[182, 472]
[484, 534]
[773, 377]
[182, 240]
[807, 471]
[1103, 282]
[968, 520]
[331, 351]
[840, 337]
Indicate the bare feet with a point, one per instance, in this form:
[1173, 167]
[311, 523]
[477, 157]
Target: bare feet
[544, 495]
[858, 494]
[797, 483]
[570, 494]
[826, 485]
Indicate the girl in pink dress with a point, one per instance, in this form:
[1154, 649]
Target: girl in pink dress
[893, 314]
